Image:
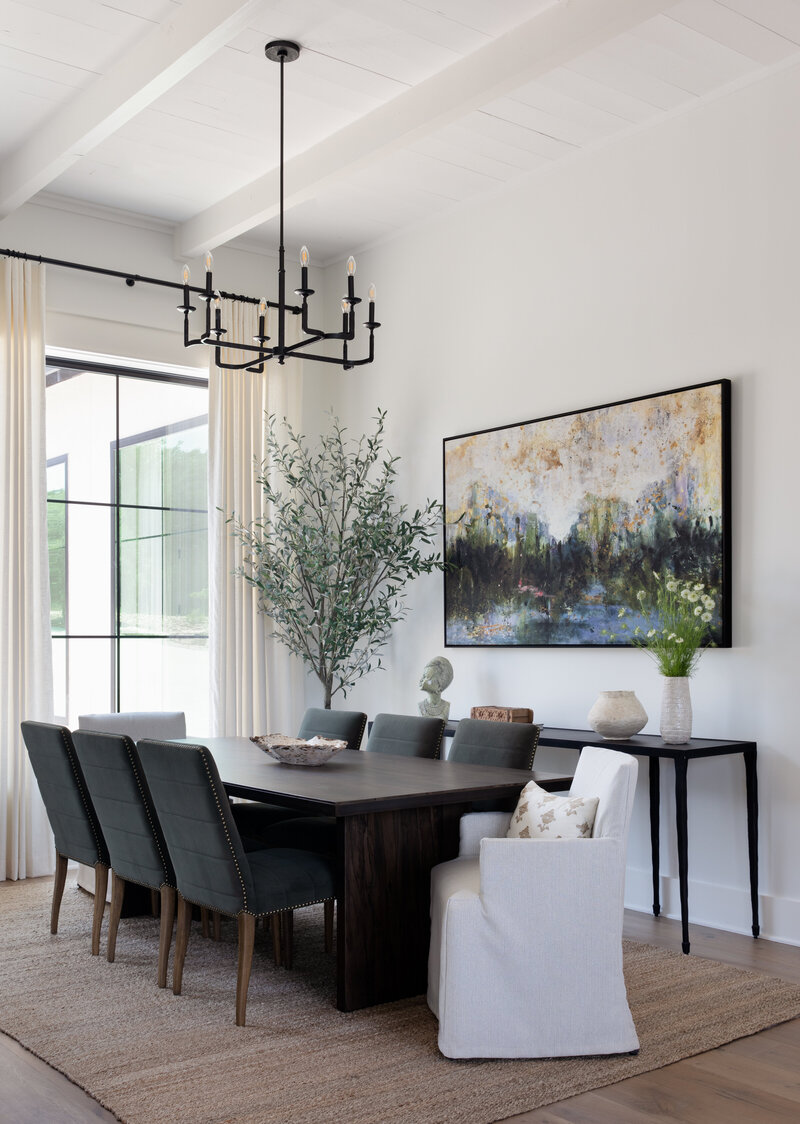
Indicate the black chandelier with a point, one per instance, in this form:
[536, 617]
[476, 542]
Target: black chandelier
[262, 349]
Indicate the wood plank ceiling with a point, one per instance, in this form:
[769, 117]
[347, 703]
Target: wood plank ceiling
[396, 110]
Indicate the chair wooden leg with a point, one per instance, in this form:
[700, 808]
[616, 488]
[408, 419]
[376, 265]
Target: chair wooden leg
[216, 926]
[58, 890]
[165, 933]
[329, 925]
[287, 937]
[117, 897]
[100, 886]
[247, 933]
[181, 943]
[275, 924]
[204, 921]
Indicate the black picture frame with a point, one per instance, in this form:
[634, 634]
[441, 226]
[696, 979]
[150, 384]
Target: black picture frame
[553, 525]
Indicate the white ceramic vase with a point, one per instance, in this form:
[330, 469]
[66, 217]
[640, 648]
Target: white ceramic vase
[617, 715]
[676, 710]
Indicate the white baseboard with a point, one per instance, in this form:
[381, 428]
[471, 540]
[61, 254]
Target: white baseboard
[719, 907]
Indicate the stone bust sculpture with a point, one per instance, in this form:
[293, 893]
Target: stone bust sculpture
[437, 675]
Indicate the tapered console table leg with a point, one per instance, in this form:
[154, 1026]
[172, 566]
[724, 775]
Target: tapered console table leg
[751, 778]
[655, 808]
[681, 821]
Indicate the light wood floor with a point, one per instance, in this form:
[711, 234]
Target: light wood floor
[754, 1080]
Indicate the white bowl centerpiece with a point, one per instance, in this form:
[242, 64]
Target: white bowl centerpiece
[298, 751]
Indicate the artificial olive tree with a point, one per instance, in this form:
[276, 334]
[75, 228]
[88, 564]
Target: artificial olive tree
[332, 554]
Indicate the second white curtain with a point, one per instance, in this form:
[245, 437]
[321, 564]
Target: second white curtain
[256, 683]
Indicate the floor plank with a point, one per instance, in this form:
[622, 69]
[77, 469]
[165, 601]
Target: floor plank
[33, 1092]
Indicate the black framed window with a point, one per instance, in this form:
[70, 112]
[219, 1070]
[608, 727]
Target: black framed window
[128, 538]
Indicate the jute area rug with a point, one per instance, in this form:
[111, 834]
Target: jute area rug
[151, 1057]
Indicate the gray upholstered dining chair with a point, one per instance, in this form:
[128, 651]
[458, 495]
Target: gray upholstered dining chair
[347, 725]
[406, 735]
[136, 724]
[510, 745]
[136, 846]
[69, 807]
[212, 867]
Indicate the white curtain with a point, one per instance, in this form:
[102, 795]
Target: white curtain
[26, 668]
[256, 683]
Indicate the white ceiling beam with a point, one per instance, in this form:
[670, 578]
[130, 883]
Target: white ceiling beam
[152, 66]
[550, 39]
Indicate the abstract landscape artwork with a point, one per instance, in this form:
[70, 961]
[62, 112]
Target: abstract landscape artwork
[553, 526]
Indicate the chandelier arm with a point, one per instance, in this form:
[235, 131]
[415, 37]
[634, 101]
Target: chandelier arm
[246, 366]
[232, 345]
[320, 337]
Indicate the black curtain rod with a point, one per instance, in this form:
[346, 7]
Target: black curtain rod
[131, 278]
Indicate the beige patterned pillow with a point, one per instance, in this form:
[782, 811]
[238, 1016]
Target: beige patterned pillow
[541, 815]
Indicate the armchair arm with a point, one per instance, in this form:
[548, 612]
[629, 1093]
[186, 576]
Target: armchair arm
[544, 879]
[480, 825]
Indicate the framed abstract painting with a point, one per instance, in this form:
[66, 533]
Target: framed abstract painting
[553, 526]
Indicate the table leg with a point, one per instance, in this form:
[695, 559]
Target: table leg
[383, 914]
[681, 821]
[655, 809]
[752, 830]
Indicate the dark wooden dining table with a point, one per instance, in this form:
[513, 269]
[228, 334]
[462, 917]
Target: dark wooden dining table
[396, 818]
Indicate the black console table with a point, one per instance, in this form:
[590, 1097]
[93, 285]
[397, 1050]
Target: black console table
[651, 746]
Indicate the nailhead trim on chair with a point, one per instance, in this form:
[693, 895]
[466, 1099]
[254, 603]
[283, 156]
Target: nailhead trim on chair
[439, 744]
[129, 746]
[536, 732]
[79, 786]
[225, 826]
[266, 913]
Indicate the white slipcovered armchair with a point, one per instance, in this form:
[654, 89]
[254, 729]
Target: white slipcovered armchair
[526, 934]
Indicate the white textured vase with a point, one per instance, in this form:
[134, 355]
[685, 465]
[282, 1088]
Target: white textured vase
[617, 715]
[676, 710]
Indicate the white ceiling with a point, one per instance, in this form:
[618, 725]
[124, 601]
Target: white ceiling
[395, 111]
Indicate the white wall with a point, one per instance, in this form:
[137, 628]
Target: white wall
[668, 258]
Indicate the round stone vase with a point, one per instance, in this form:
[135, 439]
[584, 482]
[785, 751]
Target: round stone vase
[617, 715]
[676, 710]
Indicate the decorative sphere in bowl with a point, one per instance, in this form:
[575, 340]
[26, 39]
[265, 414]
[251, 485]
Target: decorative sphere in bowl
[298, 751]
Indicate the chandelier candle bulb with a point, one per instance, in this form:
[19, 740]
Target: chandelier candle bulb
[187, 306]
[262, 313]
